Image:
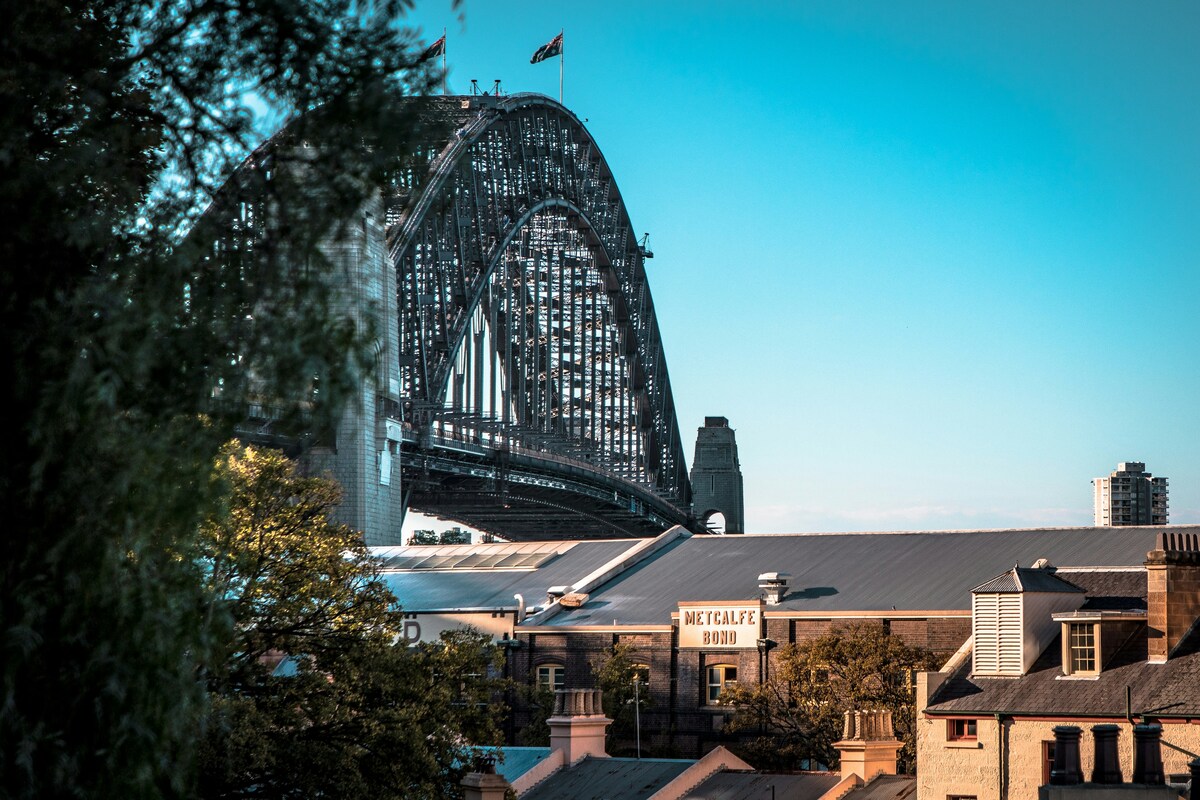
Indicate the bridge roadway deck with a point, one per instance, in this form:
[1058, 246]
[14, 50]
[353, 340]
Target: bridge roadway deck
[521, 494]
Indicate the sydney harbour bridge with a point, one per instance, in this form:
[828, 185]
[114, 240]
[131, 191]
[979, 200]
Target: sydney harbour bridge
[522, 387]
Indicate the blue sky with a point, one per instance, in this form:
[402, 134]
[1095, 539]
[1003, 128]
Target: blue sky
[935, 261]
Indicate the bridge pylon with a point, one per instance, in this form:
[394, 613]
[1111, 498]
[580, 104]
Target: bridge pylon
[717, 476]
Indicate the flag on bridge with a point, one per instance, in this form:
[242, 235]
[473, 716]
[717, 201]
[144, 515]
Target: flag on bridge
[434, 50]
[552, 48]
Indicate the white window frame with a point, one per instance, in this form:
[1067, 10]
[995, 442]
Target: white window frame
[551, 676]
[722, 672]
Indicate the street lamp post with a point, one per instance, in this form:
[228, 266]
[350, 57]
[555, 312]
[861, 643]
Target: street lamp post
[637, 711]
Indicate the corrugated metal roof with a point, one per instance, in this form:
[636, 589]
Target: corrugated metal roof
[1026, 579]
[918, 571]
[885, 787]
[519, 760]
[474, 556]
[731, 785]
[463, 587]
[609, 779]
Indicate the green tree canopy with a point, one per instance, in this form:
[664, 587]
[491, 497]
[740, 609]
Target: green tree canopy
[316, 693]
[799, 707]
[615, 673]
[130, 352]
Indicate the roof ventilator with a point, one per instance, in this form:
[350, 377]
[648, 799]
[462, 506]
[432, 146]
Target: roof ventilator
[774, 586]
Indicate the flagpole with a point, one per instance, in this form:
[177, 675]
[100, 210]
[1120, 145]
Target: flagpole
[443, 62]
[562, 47]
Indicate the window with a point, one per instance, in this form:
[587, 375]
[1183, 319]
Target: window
[1047, 761]
[641, 672]
[1081, 638]
[551, 676]
[960, 797]
[961, 730]
[720, 676]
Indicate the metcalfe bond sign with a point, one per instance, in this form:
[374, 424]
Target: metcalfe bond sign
[720, 626]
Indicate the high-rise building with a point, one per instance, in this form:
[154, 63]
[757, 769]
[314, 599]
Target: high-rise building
[1130, 496]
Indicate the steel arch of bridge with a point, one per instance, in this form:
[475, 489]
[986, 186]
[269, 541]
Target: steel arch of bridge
[533, 386]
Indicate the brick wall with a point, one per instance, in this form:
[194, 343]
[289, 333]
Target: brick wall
[679, 716]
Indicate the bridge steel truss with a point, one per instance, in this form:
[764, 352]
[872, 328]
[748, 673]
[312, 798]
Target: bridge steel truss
[533, 387]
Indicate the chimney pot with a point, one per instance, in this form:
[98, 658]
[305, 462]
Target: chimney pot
[1147, 754]
[578, 724]
[1066, 770]
[1107, 765]
[869, 745]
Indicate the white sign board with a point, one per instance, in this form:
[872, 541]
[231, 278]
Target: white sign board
[427, 627]
[720, 626]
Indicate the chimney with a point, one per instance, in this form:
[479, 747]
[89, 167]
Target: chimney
[1066, 770]
[578, 724]
[868, 746]
[1172, 592]
[1147, 754]
[483, 783]
[774, 586]
[1107, 764]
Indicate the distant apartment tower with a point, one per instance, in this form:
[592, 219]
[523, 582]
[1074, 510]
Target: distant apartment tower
[1130, 496]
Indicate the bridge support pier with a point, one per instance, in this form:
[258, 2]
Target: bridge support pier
[717, 476]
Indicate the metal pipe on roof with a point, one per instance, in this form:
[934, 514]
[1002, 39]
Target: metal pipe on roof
[1000, 756]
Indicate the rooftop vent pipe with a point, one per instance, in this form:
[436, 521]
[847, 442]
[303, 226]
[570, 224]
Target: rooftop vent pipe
[774, 586]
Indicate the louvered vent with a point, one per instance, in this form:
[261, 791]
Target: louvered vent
[998, 641]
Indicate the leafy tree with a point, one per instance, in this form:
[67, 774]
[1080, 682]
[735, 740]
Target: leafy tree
[812, 683]
[453, 535]
[131, 354]
[615, 673]
[538, 701]
[316, 693]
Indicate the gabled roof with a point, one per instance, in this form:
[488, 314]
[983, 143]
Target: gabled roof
[442, 577]
[1026, 579]
[917, 571]
[1158, 690]
[740, 785]
[517, 760]
[885, 787]
[609, 779]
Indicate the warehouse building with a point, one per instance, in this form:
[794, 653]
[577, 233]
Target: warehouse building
[701, 612]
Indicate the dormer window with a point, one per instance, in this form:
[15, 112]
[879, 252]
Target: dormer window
[1091, 636]
[1081, 648]
[1010, 618]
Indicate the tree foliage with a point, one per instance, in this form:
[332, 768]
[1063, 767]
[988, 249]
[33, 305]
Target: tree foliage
[799, 707]
[615, 673]
[455, 535]
[131, 353]
[315, 692]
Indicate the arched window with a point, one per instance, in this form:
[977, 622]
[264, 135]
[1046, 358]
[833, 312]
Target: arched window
[551, 676]
[720, 676]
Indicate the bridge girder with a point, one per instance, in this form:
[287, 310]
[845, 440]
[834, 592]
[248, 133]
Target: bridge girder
[526, 326]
